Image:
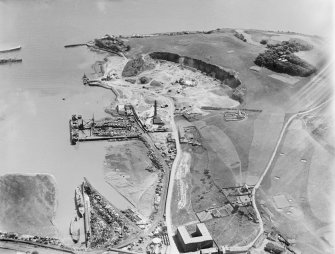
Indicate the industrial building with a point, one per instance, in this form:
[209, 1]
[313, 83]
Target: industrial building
[124, 109]
[156, 119]
[198, 240]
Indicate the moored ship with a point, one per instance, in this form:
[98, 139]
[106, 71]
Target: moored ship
[79, 201]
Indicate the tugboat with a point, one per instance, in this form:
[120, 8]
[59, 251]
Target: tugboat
[85, 80]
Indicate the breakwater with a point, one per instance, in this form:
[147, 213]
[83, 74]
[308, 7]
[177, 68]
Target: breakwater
[10, 60]
[10, 49]
[75, 45]
[98, 83]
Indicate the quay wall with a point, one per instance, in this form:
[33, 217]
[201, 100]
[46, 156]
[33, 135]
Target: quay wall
[38, 245]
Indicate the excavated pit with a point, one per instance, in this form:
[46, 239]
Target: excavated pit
[227, 76]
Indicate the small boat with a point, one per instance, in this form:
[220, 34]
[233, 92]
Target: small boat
[86, 80]
[74, 231]
[10, 49]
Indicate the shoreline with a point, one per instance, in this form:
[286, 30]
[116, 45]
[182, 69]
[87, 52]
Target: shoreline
[92, 46]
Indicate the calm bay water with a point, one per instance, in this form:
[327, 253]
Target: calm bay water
[38, 96]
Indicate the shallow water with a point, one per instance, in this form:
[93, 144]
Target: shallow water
[37, 99]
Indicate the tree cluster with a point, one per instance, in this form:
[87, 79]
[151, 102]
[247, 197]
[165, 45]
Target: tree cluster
[240, 36]
[112, 43]
[280, 58]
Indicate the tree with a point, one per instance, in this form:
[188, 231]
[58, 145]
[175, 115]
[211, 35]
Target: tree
[264, 42]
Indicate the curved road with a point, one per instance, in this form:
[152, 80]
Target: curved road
[173, 247]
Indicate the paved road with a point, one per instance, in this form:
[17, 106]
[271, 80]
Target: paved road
[173, 248]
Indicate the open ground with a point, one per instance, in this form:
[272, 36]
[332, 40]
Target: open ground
[126, 166]
[296, 191]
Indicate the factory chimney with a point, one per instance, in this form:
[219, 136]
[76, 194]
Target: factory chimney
[155, 109]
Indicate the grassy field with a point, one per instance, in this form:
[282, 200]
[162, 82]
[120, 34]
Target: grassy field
[302, 174]
[232, 230]
[28, 204]
[267, 128]
[205, 193]
[240, 134]
[125, 164]
[212, 166]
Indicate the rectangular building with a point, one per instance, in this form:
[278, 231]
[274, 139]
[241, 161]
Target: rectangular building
[200, 239]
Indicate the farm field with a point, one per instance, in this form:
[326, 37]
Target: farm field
[267, 128]
[297, 191]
